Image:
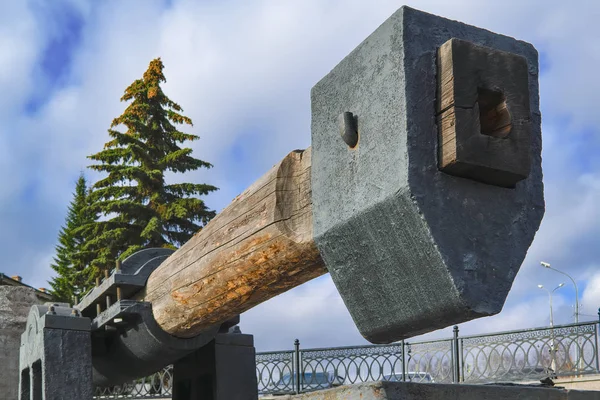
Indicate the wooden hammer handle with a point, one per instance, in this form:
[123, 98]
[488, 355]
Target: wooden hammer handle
[258, 247]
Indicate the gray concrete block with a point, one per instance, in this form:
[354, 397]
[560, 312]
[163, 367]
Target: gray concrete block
[412, 249]
[55, 359]
[224, 369]
[427, 391]
[15, 303]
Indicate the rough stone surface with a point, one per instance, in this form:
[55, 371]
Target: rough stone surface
[55, 359]
[410, 248]
[15, 303]
[427, 391]
[225, 369]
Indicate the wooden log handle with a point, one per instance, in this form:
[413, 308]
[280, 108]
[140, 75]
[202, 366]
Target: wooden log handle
[258, 247]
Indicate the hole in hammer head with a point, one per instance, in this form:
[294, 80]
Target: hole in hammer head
[494, 117]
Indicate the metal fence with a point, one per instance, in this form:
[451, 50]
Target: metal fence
[156, 386]
[524, 355]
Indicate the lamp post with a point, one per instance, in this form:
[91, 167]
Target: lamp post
[547, 265]
[550, 297]
[553, 349]
[579, 352]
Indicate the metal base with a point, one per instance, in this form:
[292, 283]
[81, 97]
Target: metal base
[127, 343]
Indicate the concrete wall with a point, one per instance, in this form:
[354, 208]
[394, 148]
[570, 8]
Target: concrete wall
[434, 391]
[585, 382]
[15, 303]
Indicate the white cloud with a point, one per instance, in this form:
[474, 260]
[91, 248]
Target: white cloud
[314, 313]
[590, 301]
[20, 43]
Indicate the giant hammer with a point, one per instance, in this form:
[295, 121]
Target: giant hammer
[420, 195]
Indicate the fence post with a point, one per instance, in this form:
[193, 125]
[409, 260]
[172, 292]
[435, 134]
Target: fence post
[456, 356]
[297, 367]
[404, 361]
[462, 361]
[597, 350]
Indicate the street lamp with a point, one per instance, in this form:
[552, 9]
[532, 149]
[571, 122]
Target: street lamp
[554, 348]
[580, 350]
[547, 265]
[550, 297]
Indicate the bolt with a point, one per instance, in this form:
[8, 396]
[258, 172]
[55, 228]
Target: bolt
[348, 128]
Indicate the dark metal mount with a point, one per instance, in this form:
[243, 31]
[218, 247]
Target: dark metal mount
[127, 343]
[136, 346]
[124, 282]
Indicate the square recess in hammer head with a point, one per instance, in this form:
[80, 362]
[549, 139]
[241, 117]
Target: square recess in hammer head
[483, 113]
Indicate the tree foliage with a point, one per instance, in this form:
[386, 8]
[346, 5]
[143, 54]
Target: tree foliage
[139, 208]
[74, 278]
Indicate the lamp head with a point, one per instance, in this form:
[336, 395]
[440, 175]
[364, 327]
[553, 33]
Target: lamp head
[541, 286]
[545, 264]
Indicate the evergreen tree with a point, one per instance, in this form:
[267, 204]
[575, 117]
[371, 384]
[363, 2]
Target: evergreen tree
[73, 277]
[140, 210]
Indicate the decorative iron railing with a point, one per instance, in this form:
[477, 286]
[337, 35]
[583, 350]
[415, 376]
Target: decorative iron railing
[530, 354]
[525, 355]
[276, 370]
[156, 386]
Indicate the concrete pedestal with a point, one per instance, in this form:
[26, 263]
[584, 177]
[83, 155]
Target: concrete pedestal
[427, 391]
[56, 355]
[224, 369]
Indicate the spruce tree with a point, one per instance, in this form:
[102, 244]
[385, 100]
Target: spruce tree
[140, 209]
[74, 278]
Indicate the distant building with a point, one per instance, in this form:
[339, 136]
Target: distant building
[16, 280]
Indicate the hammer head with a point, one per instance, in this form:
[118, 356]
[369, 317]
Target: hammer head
[425, 219]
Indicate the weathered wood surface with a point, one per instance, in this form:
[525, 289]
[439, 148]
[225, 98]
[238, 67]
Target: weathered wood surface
[258, 247]
[483, 113]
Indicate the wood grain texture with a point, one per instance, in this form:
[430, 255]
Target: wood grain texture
[258, 247]
[482, 112]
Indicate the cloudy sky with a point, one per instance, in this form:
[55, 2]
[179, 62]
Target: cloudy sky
[243, 70]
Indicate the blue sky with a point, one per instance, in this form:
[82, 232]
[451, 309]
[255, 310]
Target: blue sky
[243, 72]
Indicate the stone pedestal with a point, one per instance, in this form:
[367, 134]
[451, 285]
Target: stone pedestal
[15, 302]
[224, 369]
[56, 355]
